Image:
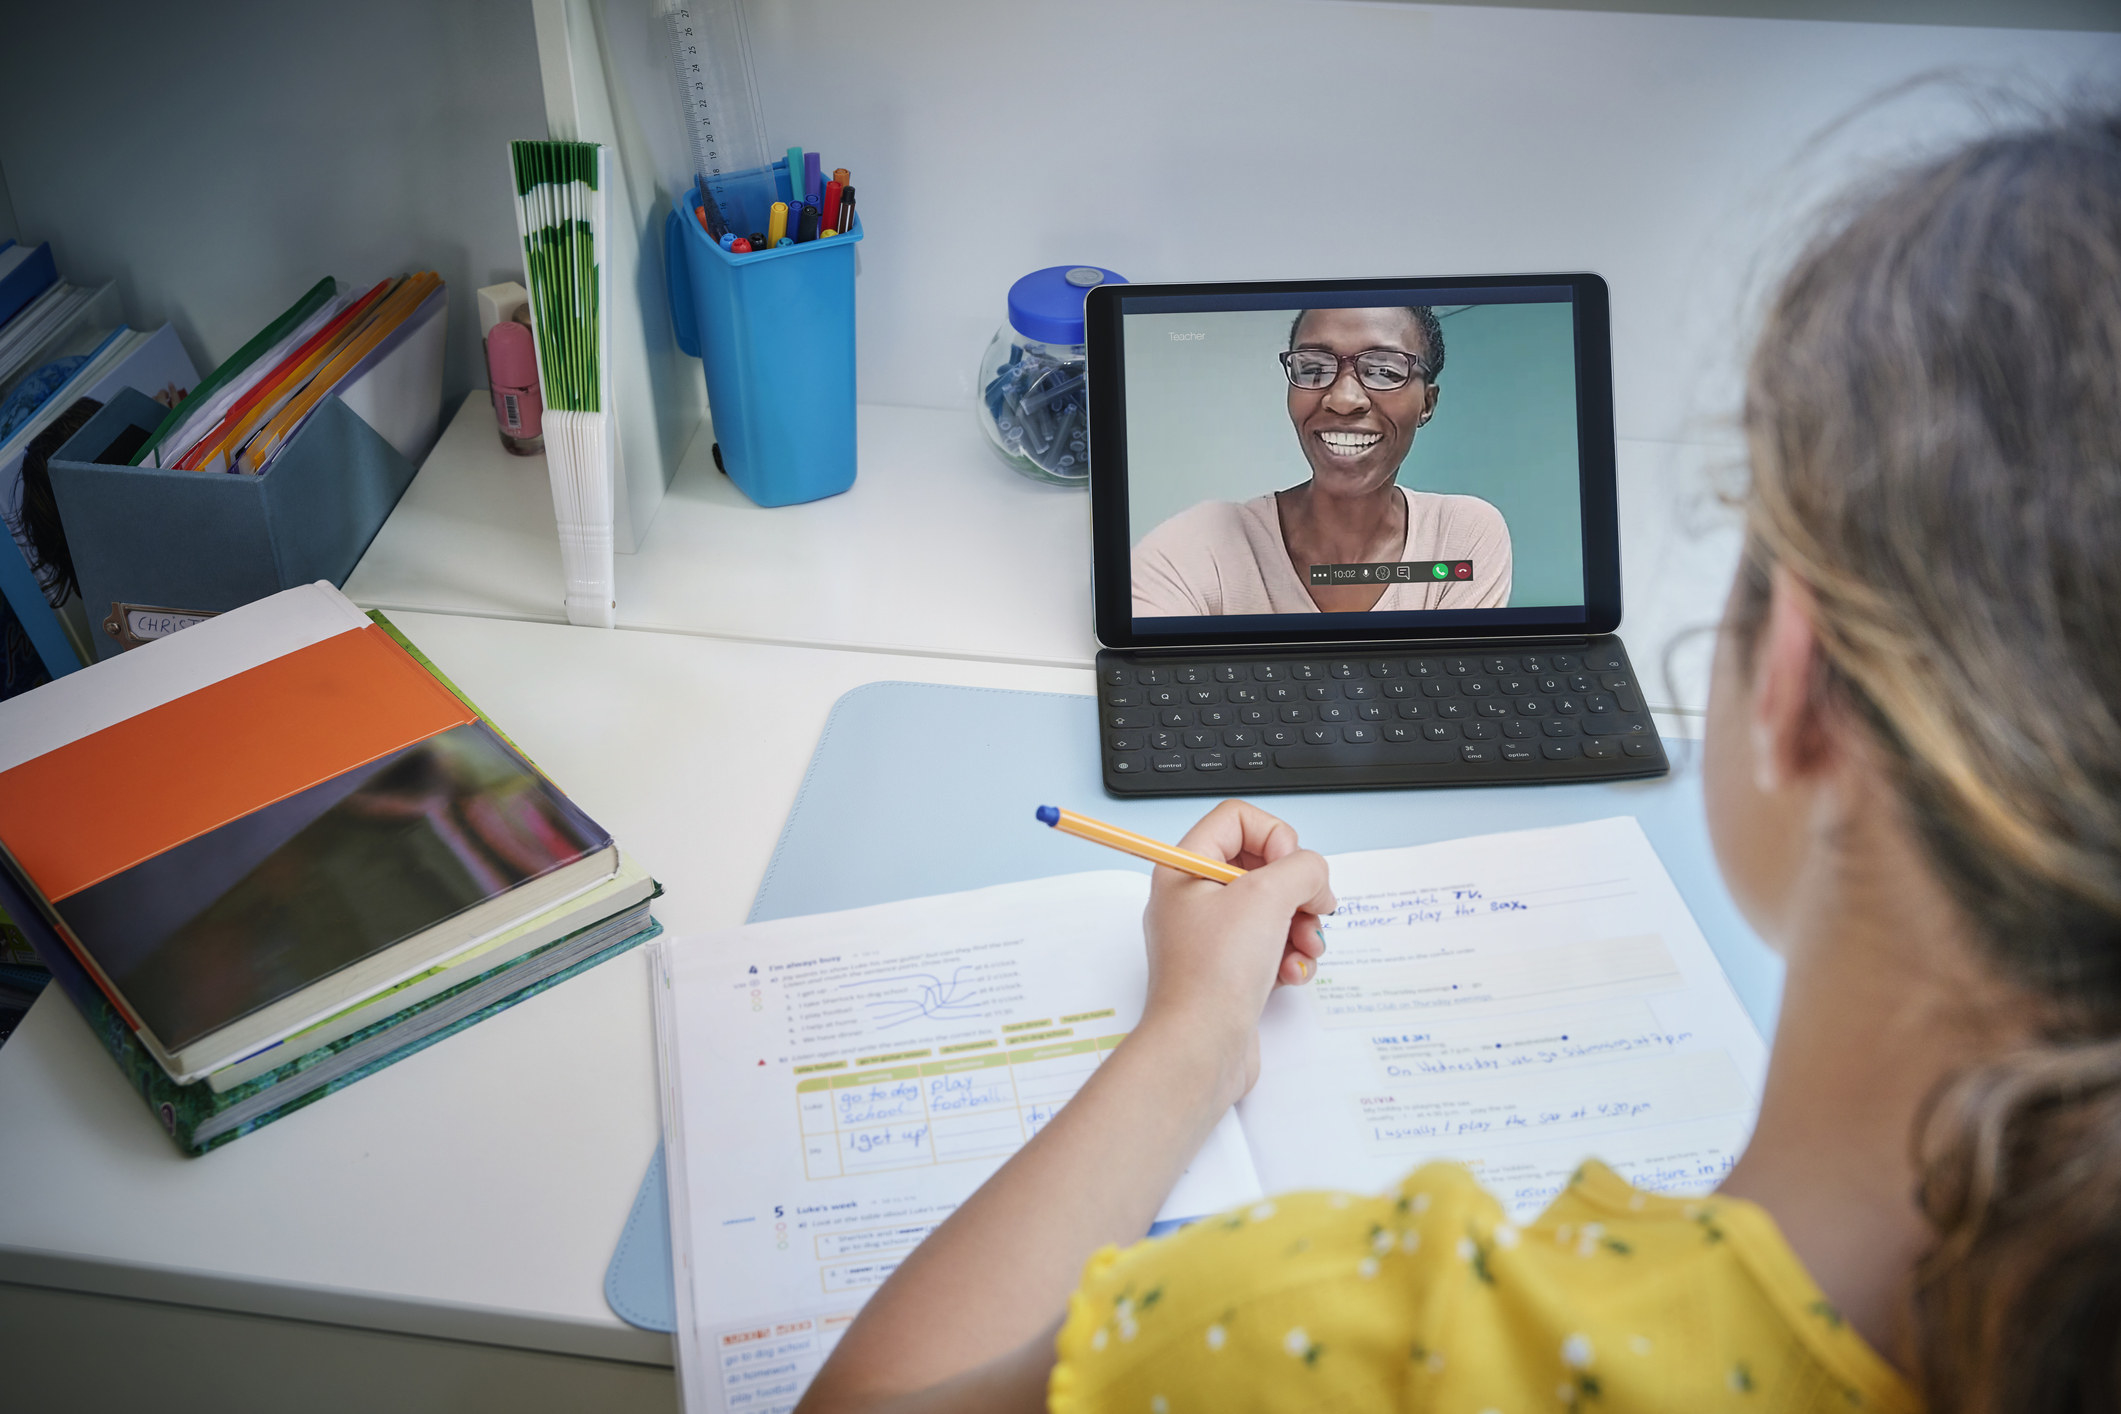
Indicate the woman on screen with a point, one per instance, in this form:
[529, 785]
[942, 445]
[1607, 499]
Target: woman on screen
[1362, 382]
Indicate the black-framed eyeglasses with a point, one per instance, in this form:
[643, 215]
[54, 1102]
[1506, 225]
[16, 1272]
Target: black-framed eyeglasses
[1379, 370]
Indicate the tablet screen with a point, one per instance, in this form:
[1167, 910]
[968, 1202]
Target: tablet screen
[1308, 462]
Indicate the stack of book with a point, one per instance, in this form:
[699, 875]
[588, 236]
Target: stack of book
[278, 851]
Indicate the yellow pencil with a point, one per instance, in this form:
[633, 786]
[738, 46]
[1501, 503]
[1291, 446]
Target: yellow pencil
[1140, 846]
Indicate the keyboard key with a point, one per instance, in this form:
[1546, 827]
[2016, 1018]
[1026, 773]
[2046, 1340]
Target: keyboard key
[1497, 666]
[1423, 667]
[1218, 716]
[1518, 751]
[1239, 736]
[1296, 713]
[1150, 677]
[1281, 736]
[1209, 761]
[1244, 692]
[1600, 750]
[1567, 706]
[1399, 689]
[1557, 750]
[1188, 676]
[1125, 698]
[1402, 734]
[1477, 687]
[1319, 691]
[1598, 702]
[1358, 735]
[1199, 740]
[1604, 660]
[1436, 731]
[1492, 708]
[1551, 683]
[1411, 711]
[1228, 672]
[1200, 696]
[1627, 699]
[1534, 666]
[1127, 741]
[1255, 716]
[1580, 682]
[1436, 687]
[1252, 760]
[1168, 761]
[1477, 753]
[1357, 691]
[1129, 765]
[1115, 677]
[1460, 667]
[1478, 731]
[1638, 746]
[1318, 736]
[1128, 721]
[1614, 682]
[1559, 726]
[1531, 707]
[1636, 726]
[1518, 729]
[1335, 712]
[1513, 687]
[1167, 697]
[1307, 672]
[1371, 711]
[1345, 669]
[1454, 709]
[1265, 672]
[1284, 692]
[1163, 741]
[1175, 717]
[1562, 662]
[1384, 668]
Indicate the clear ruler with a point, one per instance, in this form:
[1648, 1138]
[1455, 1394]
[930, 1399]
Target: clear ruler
[718, 104]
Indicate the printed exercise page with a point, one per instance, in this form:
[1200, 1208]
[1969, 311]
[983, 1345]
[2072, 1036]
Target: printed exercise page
[1517, 1003]
[836, 1085]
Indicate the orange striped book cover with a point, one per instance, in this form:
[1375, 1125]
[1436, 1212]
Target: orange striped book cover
[269, 815]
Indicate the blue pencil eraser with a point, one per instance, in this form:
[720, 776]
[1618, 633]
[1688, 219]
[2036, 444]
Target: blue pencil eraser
[1048, 815]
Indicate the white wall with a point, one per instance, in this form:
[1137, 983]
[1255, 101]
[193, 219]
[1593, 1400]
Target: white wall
[1166, 139]
[217, 159]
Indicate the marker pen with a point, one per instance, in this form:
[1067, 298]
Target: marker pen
[806, 224]
[739, 246]
[813, 186]
[776, 222]
[846, 211]
[829, 212]
[728, 239]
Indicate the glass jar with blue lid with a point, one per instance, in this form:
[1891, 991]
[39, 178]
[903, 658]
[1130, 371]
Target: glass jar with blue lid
[1034, 401]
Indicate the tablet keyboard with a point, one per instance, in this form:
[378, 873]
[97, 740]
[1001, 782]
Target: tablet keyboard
[1245, 722]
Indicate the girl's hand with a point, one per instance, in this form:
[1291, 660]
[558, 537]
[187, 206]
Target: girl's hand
[1217, 951]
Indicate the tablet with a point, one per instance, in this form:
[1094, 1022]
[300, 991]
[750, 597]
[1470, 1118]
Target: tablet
[1420, 460]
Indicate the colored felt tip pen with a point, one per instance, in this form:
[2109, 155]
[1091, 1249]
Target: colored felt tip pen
[1140, 846]
[839, 174]
[846, 211]
[740, 246]
[759, 242]
[829, 213]
[806, 224]
[728, 239]
[776, 222]
[701, 213]
[827, 234]
[710, 214]
[795, 176]
[784, 240]
[813, 184]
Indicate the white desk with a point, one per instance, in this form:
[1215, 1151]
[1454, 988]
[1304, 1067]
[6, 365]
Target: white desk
[938, 549]
[473, 1192]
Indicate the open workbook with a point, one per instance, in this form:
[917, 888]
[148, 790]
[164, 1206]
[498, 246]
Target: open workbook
[835, 1085]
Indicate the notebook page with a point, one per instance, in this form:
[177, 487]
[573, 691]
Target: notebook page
[1514, 1002]
[835, 1085]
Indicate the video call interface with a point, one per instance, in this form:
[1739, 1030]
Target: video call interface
[1415, 461]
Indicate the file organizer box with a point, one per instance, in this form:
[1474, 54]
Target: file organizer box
[775, 331]
[155, 549]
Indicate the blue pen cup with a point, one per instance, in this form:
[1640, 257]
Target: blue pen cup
[774, 330]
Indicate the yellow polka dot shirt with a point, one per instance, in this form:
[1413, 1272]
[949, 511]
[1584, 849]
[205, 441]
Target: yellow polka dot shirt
[1428, 1298]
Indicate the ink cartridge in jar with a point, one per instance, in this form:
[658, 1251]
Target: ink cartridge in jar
[1034, 401]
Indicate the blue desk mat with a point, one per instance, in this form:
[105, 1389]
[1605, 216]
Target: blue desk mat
[916, 789]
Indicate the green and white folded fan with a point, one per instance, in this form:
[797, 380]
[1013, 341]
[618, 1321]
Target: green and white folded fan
[560, 201]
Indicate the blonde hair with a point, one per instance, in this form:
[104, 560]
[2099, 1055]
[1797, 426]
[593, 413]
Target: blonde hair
[1934, 421]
